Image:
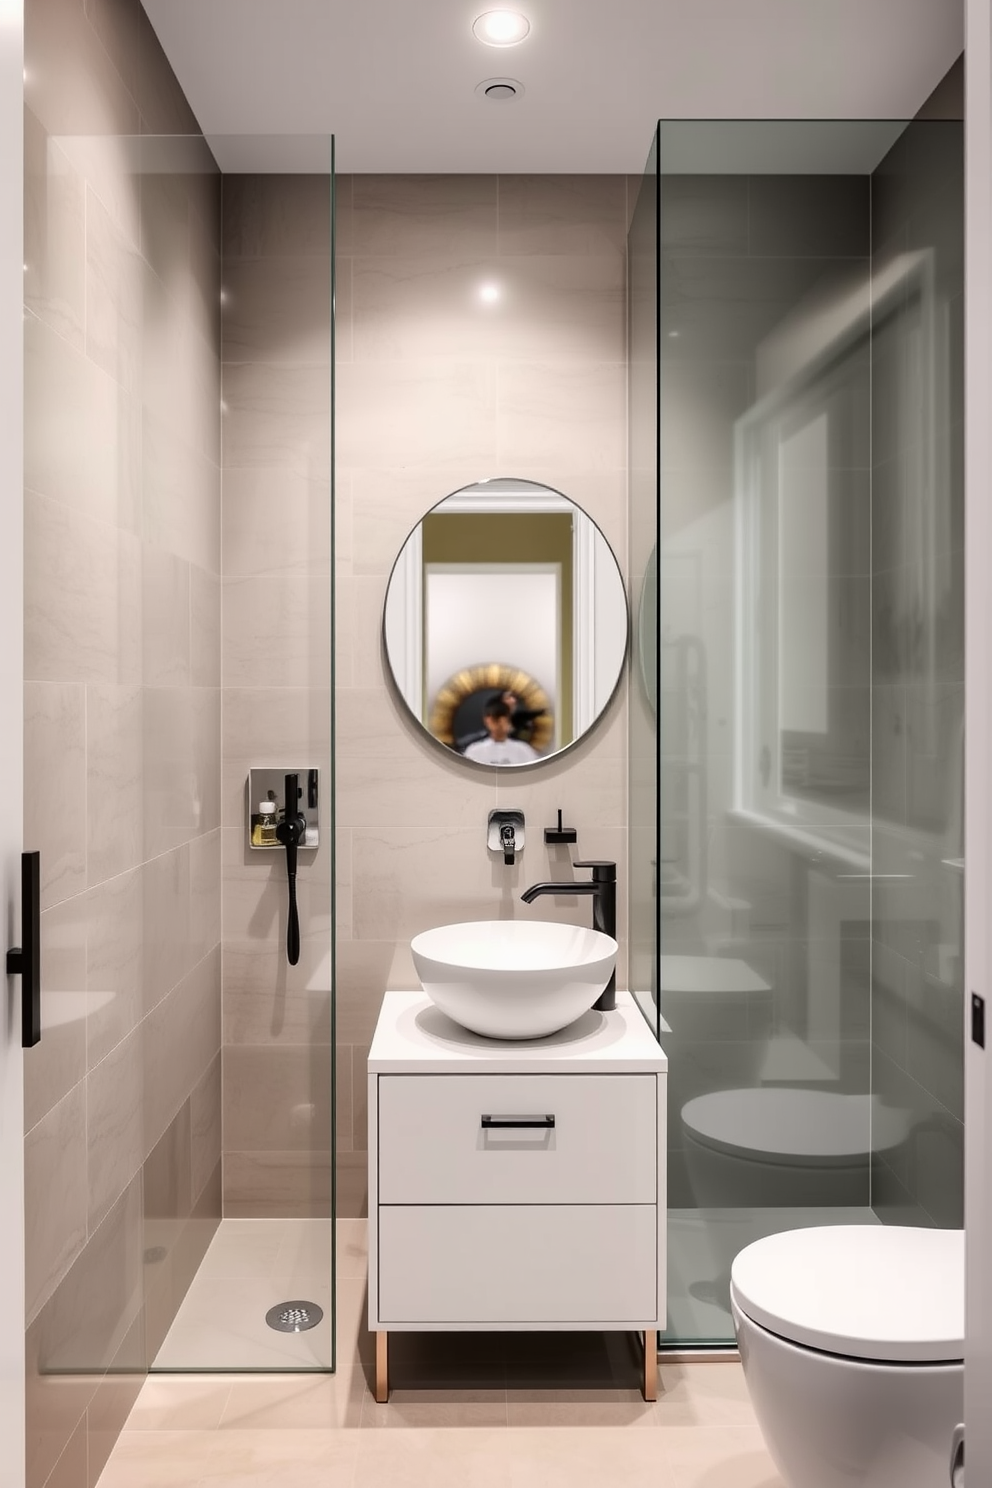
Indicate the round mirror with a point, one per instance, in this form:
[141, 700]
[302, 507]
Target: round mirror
[505, 623]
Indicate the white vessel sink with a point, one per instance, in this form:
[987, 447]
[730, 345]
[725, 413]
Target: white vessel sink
[513, 979]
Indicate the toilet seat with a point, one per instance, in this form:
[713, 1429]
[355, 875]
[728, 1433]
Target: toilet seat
[887, 1293]
[779, 1124]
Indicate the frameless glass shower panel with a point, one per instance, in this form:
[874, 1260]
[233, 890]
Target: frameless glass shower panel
[262, 1297]
[642, 342]
[764, 639]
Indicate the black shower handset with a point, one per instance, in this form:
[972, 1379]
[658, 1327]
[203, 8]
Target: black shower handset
[291, 831]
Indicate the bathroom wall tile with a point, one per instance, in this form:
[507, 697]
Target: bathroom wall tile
[573, 412]
[205, 895]
[55, 1402]
[269, 215]
[82, 608]
[440, 414]
[278, 1185]
[204, 283]
[792, 215]
[72, 86]
[81, 430]
[360, 1098]
[365, 970]
[422, 214]
[171, 797]
[115, 1395]
[165, 595]
[564, 215]
[352, 1184]
[54, 235]
[55, 785]
[55, 1065]
[394, 896]
[205, 1128]
[113, 1126]
[343, 1112]
[116, 961]
[700, 404]
[419, 790]
[277, 310]
[705, 214]
[180, 495]
[71, 1470]
[181, 1039]
[277, 631]
[267, 724]
[277, 523]
[55, 1199]
[165, 913]
[277, 416]
[204, 624]
[114, 276]
[115, 780]
[277, 1098]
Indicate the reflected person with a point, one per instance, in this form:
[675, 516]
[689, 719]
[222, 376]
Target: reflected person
[499, 748]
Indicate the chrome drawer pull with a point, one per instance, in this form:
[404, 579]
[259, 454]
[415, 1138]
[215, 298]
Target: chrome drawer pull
[503, 1123]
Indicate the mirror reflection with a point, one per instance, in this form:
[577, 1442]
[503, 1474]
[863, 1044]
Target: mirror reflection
[505, 623]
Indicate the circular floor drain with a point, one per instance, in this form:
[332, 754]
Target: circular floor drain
[294, 1317]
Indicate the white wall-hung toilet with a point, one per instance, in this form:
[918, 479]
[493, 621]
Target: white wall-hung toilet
[852, 1342]
[779, 1147]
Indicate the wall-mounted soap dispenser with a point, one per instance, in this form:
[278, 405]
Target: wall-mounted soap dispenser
[283, 816]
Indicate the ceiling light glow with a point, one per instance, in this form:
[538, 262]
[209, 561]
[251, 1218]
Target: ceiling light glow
[489, 293]
[501, 28]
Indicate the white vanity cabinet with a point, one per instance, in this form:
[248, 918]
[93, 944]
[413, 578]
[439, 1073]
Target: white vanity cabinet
[515, 1186]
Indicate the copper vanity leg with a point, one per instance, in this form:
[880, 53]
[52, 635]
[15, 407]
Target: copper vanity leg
[650, 1364]
[381, 1368]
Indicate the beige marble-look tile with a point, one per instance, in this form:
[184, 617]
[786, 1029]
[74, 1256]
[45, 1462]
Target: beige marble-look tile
[552, 1458]
[179, 1402]
[417, 789]
[71, 1470]
[181, 1040]
[277, 215]
[720, 1457]
[566, 215]
[343, 1126]
[82, 430]
[277, 631]
[421, 214]
[55, 1197]
[82, 597]
[276, 524]
[446, 1409]
[181, 798]
[440, 413]
[72, 86]
[456, 1457]
[181, 494]
[278, 310]
[114, 780]
[114, 275]
[296, 1403]
[160, 1459]
[266, 1459]
[206, 1111]
[205, 894]
[277, 417]
[55, 785]
[204, 624]
[115, 959]
[555, 411]
[292, 1185]
[353, 1249]
[113, 1125]
[277, 1098]
[702, 1394]
[165, 599]
[395, 899]
[54, 235]
[398, 497]
[270, 725]
[58, 1062]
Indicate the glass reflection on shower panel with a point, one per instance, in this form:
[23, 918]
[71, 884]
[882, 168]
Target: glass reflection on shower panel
[765, 706]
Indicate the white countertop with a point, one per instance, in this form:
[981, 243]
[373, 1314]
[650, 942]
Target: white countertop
[413, 1036]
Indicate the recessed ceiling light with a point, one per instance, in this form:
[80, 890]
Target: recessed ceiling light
[501, 28]
[489, 293]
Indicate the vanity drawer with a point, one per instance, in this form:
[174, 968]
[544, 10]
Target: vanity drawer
[530, 1265]
[434, 1147]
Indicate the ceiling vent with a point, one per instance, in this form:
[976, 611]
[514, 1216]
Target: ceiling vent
[500, 90]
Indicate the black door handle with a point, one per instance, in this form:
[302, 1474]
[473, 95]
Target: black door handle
[508, 1123]
[25, 960]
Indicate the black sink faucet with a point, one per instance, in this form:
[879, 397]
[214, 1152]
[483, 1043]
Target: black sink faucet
[603, 888]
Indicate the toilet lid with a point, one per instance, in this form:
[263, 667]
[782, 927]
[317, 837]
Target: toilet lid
[866, 1291]
[812, 1128]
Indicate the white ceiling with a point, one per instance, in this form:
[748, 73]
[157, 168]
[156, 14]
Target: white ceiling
[394, 80]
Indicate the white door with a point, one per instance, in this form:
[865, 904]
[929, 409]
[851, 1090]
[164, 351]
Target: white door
[978, 739]
[11, 739]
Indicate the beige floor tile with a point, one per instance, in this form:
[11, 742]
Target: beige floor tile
[579, 1407]
[456, 1458]
[159, 1459]
[703, 1395]
[720, 1457]
[282, 1459]
[436, 1409]
[297, 1402]
[353, 1249]
[179, 1402]
[586, 1458]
